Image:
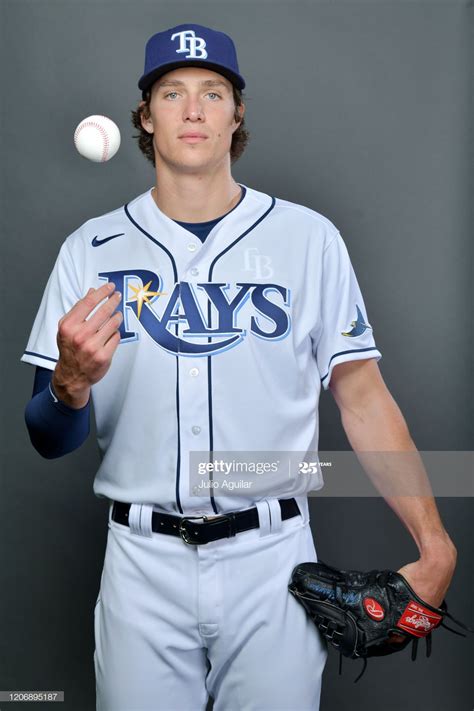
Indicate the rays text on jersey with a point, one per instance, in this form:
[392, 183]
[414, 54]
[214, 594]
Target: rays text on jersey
[199, 319]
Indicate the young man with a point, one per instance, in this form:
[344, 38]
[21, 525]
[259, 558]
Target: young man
[217, 314]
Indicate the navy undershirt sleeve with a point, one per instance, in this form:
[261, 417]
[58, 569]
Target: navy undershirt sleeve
[55, 429]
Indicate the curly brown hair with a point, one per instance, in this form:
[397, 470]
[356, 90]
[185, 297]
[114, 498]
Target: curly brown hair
[240, 137]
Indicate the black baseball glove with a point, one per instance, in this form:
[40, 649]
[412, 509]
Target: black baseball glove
[359, 612]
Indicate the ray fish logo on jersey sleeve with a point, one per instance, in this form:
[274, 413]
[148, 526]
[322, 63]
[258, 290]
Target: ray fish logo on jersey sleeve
[180, 323]
[359, 326]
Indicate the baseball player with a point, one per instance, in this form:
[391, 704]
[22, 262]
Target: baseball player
[204, 317]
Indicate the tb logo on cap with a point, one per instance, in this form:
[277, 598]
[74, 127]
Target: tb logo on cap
[188, 42]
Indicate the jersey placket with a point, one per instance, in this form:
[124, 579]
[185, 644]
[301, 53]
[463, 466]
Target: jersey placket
[193, 387]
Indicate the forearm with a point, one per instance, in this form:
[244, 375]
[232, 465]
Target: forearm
[54, 428]
[379, 436]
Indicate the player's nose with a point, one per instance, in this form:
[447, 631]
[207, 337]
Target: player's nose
[193, 110]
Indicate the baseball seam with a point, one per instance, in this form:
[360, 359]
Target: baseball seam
[102, 131]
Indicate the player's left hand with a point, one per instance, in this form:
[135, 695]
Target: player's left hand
[430, 579]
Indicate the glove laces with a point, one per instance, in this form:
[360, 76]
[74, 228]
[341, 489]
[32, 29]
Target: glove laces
[428, 640]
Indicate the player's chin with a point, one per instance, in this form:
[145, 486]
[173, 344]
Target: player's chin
[194, 151]
[202, 159]
[193, 167]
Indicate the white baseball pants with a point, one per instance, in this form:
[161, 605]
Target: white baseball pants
[175, 623]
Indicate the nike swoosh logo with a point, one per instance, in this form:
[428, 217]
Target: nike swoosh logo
[97, 242]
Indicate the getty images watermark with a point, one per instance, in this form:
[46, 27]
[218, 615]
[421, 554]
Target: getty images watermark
[263, 473]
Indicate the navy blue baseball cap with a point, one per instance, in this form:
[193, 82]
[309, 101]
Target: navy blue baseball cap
[192, 46]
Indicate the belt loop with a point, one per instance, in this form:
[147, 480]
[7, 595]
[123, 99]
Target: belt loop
[111, 508]
[134, 518]
[275, 515]
[303, 505]
[145, 521]
[139, 519]
[263, 517]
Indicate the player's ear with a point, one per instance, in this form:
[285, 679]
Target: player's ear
[145, 117]
[239, 114]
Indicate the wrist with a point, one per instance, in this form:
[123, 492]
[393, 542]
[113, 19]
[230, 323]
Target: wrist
[439, 550]
[68, 391]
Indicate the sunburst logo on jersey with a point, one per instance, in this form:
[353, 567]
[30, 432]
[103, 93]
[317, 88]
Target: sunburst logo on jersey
[359, 326]
[142, 294]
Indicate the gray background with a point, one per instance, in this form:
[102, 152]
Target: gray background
[359, 110]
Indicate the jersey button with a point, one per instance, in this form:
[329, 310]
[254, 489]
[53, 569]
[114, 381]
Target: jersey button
[194, 372]
[194, 271]
[192, 247]
[196, 429]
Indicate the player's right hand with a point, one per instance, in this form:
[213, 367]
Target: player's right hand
[86, 347]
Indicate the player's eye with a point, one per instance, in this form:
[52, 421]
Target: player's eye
[210, 93]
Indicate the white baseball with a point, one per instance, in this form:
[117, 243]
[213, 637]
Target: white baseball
[97, 138]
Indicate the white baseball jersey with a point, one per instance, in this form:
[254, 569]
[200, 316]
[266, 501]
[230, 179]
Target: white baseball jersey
[224, 344]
